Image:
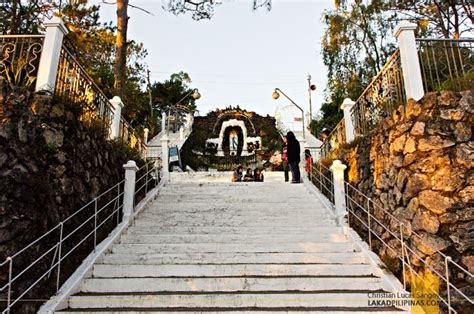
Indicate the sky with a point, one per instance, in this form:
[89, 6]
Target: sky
[239, 56]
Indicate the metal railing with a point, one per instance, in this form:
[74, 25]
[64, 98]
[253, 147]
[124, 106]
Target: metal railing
[74, 82]
[384, 94]
[322, 177]
[371, 217]
[147, 178]
[398, 238]
[37, 271]
[19, 58]
[446, 63]
[36, 268]
[335, 139]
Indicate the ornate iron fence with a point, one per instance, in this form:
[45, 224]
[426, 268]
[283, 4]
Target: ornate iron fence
[335, 139]
[74, 82]
[384, 94]
[446, 64]
[19, 58]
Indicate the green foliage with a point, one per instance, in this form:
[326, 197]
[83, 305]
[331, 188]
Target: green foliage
[167, 94]
[358, 40]
[464, 82]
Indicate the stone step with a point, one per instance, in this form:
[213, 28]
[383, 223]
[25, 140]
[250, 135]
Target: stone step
[234, 258]
[238, 208]
[226, 215]
[230, 238]
[200, 194]
[229, 284]
[218, 230]
[203, 302]
[218, 270]
[307, 247]
[293, 224]
[325, 310]
[310, 223]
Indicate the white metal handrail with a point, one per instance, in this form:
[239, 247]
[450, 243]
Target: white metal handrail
[365, 207]
[324, 182]
[99, 211]
[361, 207]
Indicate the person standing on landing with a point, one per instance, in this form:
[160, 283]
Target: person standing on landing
[293, 156]
[284, 158]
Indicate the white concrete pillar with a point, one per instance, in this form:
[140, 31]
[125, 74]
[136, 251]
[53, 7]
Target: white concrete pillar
[189, 120]
[115, 125]
[145, 135]
[337, 169]
[49, 60]
[346, 106]
[163, 122]
[165, 156]
[405, 34]
[129, 189]
[181, 133]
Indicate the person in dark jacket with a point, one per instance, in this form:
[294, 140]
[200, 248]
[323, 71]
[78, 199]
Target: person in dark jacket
[248, 175]
[284, 159]
[293, 156]
[258, 175]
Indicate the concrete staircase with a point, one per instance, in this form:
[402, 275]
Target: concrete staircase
[208, 245]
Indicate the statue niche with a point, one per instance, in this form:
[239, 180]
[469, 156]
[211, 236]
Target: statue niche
[233, 141]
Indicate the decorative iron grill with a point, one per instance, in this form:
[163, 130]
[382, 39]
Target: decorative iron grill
[19, 58]
[335, 139]
[446, 64]
[384, 94]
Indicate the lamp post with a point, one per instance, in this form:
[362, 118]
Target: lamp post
[195, 94]
[311, 87]
[276, 95]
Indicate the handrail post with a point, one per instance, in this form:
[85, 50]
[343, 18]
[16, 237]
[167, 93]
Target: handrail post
[447, 259]
[146, 178]
[320, 178]
[369, 223]
[50, 55]
[114, 131]
[95, 224]
[129, 189]
[346, 106]
[163, 122]
[405, 34]
[165, 156]
[402, 247]
[10, 275]
[145, 135]
[337, 169]
[61, 229]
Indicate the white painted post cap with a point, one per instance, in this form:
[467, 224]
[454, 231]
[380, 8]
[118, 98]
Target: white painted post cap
[131, 165]
[347, 103]
[56, 21]
[116, 102]
[338, 165]
[164, 137]
[403, 26]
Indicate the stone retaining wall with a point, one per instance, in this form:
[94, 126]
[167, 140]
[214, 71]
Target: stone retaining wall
[51, 164]
[418, 165]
